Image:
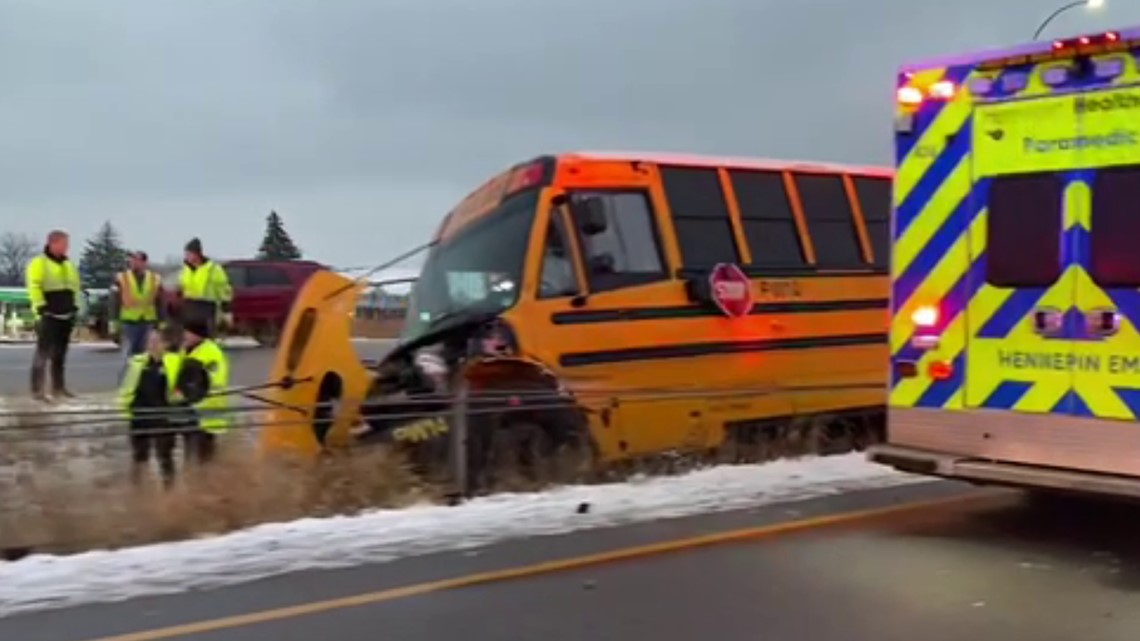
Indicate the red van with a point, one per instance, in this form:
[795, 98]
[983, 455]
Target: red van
[263, 294]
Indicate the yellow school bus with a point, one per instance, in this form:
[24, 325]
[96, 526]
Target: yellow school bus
[1015, 348]
[660, 302]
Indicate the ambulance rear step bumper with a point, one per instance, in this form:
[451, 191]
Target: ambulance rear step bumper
[986, 472]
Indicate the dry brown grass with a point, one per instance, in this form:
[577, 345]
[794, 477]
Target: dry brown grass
[72, 494]
[77, 494]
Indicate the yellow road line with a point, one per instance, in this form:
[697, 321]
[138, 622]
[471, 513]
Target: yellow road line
[537, 569]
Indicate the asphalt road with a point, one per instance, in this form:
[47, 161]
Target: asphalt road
[961, 564]
[94, 368]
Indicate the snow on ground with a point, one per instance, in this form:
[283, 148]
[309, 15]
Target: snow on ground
[45, 582]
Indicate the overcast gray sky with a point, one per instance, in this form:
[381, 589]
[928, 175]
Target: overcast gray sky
[363, 121]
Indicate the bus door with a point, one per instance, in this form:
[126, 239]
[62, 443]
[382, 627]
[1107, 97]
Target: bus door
[1024, 241]
[1107, 294]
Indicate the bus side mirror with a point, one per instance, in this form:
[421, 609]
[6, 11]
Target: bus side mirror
[590, 212]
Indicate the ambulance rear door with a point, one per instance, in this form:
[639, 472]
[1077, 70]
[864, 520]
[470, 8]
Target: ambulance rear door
[1107, 298]
[1023, 250]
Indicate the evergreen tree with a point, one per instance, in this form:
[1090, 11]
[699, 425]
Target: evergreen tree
[277, 245]
[102, 258]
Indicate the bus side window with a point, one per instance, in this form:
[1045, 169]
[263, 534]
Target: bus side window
[700, 216]
[766, 213]
[830, 220]
[558, 278]
[619, 239]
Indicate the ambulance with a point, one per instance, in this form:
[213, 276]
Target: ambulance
[1015, 295]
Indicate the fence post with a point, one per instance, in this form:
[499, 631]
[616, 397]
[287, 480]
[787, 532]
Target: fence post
[458, 449]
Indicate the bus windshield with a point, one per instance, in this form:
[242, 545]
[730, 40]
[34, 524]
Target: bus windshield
[478, 270]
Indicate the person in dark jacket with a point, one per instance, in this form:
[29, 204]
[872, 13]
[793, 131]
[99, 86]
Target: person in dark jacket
[202, 379]
[147, 394]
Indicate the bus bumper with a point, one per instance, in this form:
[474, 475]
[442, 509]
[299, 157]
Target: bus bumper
[986, 472]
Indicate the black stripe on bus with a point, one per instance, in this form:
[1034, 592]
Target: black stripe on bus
[579, 317]
[689, 350]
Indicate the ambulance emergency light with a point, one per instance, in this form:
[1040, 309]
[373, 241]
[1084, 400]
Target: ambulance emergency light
[913, 95]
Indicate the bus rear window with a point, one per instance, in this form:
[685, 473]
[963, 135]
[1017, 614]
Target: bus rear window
[1023, 247]
[1115, 218]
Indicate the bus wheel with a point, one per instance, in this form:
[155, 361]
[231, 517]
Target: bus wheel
[524, 454]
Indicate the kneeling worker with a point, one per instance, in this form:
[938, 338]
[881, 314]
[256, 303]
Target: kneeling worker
[146, 395]
[203, 376]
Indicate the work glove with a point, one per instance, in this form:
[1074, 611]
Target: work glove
[227, 320]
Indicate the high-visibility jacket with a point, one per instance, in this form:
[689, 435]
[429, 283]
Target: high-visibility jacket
[171, 363]
[53, 286]
[206, 282]
[214, 361]
[138, 301]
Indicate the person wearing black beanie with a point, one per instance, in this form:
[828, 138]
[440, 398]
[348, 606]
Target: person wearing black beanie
[202, 381]
[205, 292]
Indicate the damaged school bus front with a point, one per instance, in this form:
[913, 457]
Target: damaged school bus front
[463, 329]
[318, 379]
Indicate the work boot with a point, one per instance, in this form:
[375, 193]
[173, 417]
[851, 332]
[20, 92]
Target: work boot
[63, 392]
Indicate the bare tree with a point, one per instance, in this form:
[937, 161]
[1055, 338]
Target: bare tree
[15, 252]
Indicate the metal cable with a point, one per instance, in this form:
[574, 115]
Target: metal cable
[496, 394]
[114, 427]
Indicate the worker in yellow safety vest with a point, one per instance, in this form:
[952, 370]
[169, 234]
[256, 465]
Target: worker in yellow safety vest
[135, 296]
[146, 395]
[203, 376]
[54, 290]
[205, 289]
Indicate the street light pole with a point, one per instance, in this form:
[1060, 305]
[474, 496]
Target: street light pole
[1091, 4]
